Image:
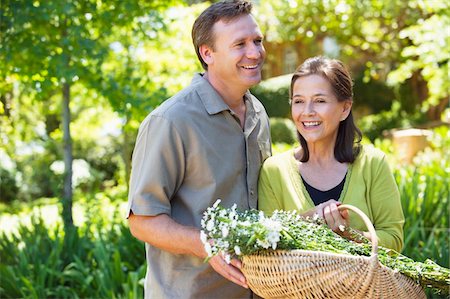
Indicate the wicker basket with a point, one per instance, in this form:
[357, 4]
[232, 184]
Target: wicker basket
[315, 274]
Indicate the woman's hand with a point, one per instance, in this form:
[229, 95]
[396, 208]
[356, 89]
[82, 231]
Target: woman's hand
[335, 219]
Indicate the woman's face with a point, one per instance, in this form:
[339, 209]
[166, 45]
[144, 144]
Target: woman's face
[316, 111]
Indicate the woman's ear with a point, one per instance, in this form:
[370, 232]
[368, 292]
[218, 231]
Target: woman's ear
[206, 53]
[346, 109]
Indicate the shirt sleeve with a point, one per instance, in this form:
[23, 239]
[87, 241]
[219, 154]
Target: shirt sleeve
[158, 166]
[386, 207]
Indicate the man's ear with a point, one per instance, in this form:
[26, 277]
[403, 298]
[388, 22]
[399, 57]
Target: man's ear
[206, 53]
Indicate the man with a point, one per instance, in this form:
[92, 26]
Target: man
[206, 142]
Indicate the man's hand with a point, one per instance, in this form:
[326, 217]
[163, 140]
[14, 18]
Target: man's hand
[231, 271]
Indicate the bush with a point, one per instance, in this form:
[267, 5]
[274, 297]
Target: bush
[101, 259]
[425, 193]
[282, 130]
[375, 125]
[8, 186]
[274, 95]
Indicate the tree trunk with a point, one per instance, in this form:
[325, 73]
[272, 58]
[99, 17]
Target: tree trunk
[127, 150]
[68, 159]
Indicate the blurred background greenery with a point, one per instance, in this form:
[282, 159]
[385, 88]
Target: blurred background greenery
[77, 78]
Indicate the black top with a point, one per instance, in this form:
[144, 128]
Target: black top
[319, 197]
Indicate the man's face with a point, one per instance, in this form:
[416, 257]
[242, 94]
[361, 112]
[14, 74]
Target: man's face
[238, 53]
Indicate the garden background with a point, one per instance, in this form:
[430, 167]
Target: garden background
[77, 77]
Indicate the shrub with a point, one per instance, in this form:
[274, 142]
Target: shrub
[8, 186]
[101, 259]
[274, 95]
[282, 130]
[375, 125]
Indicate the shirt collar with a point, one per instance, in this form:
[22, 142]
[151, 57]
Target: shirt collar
[212, 101]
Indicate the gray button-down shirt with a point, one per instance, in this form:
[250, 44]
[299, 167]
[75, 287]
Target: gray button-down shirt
[190, 152]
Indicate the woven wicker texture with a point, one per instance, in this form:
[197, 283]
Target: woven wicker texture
[315, 274]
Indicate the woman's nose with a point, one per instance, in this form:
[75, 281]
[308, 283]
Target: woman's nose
[309, 109]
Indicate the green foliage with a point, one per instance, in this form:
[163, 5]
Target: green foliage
[374, 94]
[429, 52]
[102, 260]
[98, 260]
[282, 130]
[8, 185]
[375, 125]
[425, 194]
[393, 40]
[274, 95]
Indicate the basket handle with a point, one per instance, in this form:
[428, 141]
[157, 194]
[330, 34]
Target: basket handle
[367, 222]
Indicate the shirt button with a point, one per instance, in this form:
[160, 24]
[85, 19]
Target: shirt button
[251, 192]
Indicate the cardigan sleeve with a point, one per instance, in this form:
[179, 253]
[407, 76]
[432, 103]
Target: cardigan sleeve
[384, 199]
[267, 196]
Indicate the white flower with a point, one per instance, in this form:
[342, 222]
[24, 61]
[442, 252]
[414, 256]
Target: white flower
[273, 237]
[316, 216]
[261, 215]
[225, 231]
[237, 250]
[210, 225]
[203, 237]
[233, 223]
[263, 243]
[217, 203]
[271, 225]
[246, 223]
[227, 258]
[208, 249]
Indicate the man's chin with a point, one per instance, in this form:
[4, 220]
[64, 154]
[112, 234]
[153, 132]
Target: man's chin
[252, 81]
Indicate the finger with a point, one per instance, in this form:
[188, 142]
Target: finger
[344, 214]
[332, 216]
[327, 216]
[319, 210]
[237, 276]
[335, 213]
[236, 263]
[337, 218]
[228, 271]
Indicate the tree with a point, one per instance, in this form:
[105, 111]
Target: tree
[373, 37]
[428, 55]
[51, 45]
[140, 72]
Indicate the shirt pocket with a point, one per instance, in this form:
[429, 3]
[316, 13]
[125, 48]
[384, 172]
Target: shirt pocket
[265, 150]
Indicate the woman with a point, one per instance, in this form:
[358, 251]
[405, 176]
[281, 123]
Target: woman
[330, 166]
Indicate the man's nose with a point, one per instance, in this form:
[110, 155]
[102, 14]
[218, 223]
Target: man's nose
[254, 51]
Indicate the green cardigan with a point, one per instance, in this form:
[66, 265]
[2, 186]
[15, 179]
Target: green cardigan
[369, 186]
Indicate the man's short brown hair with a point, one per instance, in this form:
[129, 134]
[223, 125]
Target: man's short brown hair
[202, 31]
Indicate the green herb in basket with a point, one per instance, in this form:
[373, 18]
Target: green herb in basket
[238, 233]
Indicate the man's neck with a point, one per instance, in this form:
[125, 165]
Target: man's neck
[233, 96]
